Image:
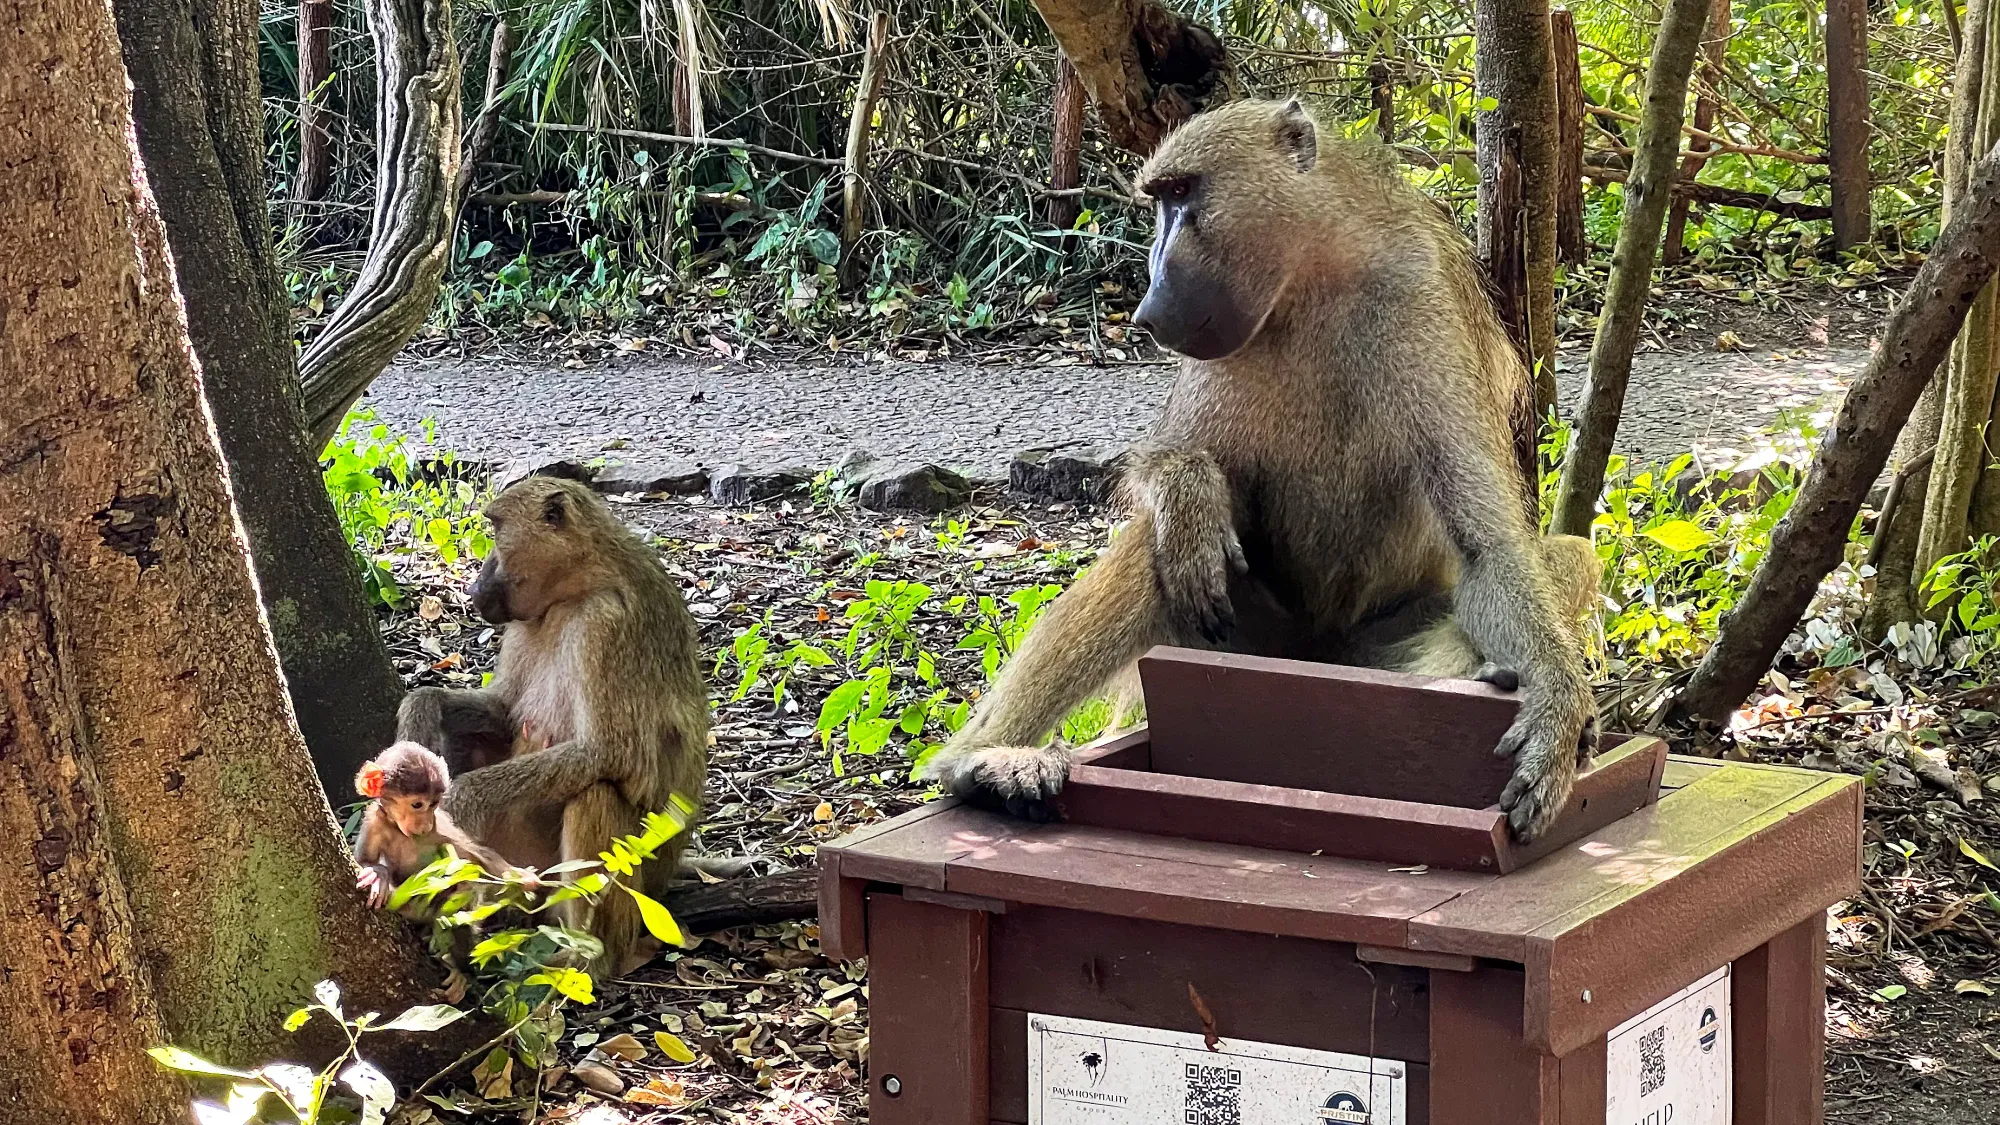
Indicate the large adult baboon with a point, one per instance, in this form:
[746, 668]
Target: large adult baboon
[599, 662]
[1335, 473]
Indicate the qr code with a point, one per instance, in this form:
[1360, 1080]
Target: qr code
[1214, 1096]
[1652, 1061]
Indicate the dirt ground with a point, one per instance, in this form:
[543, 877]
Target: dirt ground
[782, 1033]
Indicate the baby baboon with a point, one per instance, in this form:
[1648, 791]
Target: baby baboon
[1334, 472]
[598, 707]
[404, 828]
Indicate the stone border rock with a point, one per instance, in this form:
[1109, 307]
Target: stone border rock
[880, 484]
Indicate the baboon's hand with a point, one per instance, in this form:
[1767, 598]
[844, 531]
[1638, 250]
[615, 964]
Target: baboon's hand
[371, 880]
[1016, 780]
[1193, 559]
[1544, 742]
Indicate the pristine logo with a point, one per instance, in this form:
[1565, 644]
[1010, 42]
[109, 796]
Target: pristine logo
[1093, 1065]
[1346, 1109]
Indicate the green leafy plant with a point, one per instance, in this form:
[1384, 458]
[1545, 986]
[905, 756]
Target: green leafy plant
[349, 1088]
[527, 974]
[1962, 593]
[396, 499]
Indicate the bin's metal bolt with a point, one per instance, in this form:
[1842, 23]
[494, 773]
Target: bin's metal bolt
[1586, 996]
[892, 1085]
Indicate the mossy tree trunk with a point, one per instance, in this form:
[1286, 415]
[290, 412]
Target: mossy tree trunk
[1647, 190]
[200, 123]
[169, 868]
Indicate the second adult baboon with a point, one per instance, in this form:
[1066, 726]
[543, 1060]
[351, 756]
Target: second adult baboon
[1334, 472]
[598, 699]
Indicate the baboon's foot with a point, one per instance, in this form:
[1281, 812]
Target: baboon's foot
[1016, 780]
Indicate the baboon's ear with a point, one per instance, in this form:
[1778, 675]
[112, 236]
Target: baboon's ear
[1296, 136]
[554, 512]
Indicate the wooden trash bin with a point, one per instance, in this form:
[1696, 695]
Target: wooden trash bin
[1289, 899]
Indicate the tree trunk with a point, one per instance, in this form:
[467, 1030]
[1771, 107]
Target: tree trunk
[1506, 256]
[315, 119]
[854, 178]
[1146, 68]
[1066, 146]
[193, 67]
[1512, 64]
[1806, 545]
[1571, 245]
[1647, 191]
[172, 869]
[1847, 119]
[1715, 48]
[479, 136]
[409, 241]
[1899, 533]
[1382, 97]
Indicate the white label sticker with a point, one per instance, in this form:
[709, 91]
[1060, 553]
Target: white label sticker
[1671, 1065]
[1082, 1072]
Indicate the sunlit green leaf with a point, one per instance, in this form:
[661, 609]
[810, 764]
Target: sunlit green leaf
[1679, 536]
[572, 983]
[174, 1058]
[659, 921]
[672, 1046]
[1975, 855]
[424, 1017]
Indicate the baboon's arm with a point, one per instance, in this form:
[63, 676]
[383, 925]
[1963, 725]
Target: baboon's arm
[1502, 603]
[1185, 496]
[545, 778]
[1105, 620]
[467, 727]
[1501, 599]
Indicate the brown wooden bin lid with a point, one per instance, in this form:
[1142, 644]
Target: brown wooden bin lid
[1730, 856]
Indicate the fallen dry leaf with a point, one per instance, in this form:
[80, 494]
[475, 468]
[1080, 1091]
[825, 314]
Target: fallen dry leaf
[624, 1046]
[659, 1091]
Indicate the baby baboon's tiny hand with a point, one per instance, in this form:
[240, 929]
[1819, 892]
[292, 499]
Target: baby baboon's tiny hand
[1193, 559]
[1544, 743]
[371, 880]
[1016, 780]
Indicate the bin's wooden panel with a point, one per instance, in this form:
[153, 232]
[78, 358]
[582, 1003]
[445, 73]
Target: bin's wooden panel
[1716, 868]
[1194, 882]
[1302, 725]
[1622, 780]
[1778, 1029]
[1258, 987]
[1483, 1074]
[927, 996]
[1713, 871]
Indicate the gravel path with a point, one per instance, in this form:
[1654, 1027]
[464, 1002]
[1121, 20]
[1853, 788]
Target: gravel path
[967, 415]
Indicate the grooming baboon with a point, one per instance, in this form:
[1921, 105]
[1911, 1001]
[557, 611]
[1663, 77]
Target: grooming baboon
[598, 699]
[1334, 472]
